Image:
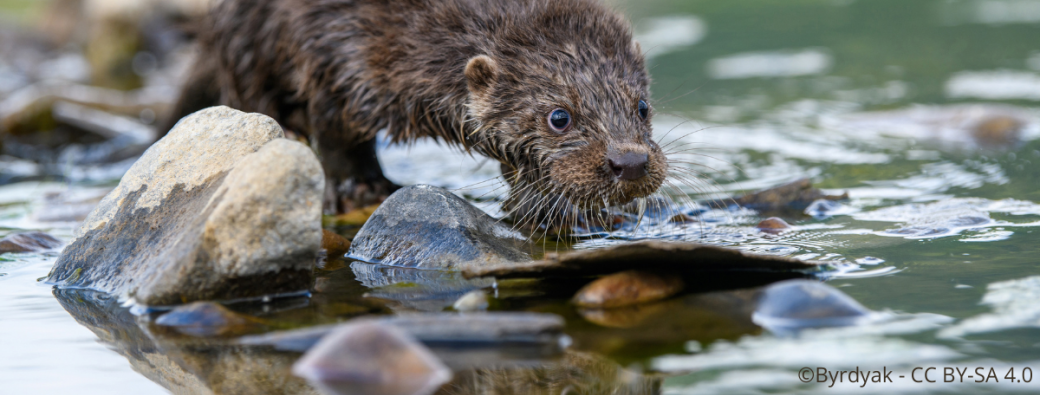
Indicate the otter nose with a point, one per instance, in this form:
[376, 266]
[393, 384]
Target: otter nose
[627, 166]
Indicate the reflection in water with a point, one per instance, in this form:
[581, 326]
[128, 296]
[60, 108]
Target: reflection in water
[193, 365]
[409, 289]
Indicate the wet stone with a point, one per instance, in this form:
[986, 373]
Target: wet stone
[28, 242]
[208, 319]
[773, 225]
[221, 208]
[472, 301]
[474, 329]
[334, 244]
[798, 304]
[430, 228]
[796, 195]
[627, 288]
[998, 131]
[372, 359]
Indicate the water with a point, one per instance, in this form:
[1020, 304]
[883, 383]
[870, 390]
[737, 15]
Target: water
[875, 97]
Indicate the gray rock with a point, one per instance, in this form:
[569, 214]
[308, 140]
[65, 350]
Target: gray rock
[372, 359]
[28, 242]
[534, 330]
[222, 207]
[797, 304]
[430, 228]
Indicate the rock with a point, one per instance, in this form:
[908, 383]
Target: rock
[998, 131]
[28, 242]
[472, 301]
[773, 225]
[476, 329]
[627, 288]
[796, 195]
[797, 304]
[208, 319]
[220, 208]
[430, 228]
[356, 217]
[372, 359]
[334, 244]
[683, 259]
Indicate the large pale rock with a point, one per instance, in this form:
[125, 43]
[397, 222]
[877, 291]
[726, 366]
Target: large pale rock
[428, 227]
[222, 207]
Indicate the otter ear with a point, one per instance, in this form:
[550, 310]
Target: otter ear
[480, 73]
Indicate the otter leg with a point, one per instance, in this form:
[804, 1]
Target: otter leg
[353, 177]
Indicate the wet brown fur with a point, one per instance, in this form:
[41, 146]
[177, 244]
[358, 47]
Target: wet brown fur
[483, 75]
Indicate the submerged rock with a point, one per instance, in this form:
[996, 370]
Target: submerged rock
[773, 225]
[627, 288]
[798, 304]
[796, 195]
[998, 131]
[28, 242]
[472, 301]
[475, 329]
[208, 319]
[220, 208]
[369, 358]
[430, 228]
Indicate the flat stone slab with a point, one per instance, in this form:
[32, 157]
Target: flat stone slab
[221, 208]
[427, 227]
[493, 328]
[651, 256]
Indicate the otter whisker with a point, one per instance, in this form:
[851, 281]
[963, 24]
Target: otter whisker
[673, 128]
[666, 145]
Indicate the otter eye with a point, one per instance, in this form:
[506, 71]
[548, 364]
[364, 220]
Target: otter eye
[644, 109]
[559, 120]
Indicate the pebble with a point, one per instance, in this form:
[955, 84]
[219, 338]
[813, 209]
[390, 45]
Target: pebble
[472, 301]
[334, 244]
[627, 288]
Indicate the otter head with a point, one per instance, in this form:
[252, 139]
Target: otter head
[569, 117]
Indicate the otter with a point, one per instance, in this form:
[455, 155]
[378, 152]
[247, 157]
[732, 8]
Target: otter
[557, 91]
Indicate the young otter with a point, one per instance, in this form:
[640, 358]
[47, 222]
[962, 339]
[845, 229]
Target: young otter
[555, 90]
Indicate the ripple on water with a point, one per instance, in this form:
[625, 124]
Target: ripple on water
[952, 217]
[1014, 306]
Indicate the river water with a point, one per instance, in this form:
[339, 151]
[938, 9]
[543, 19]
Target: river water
[895, 102]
